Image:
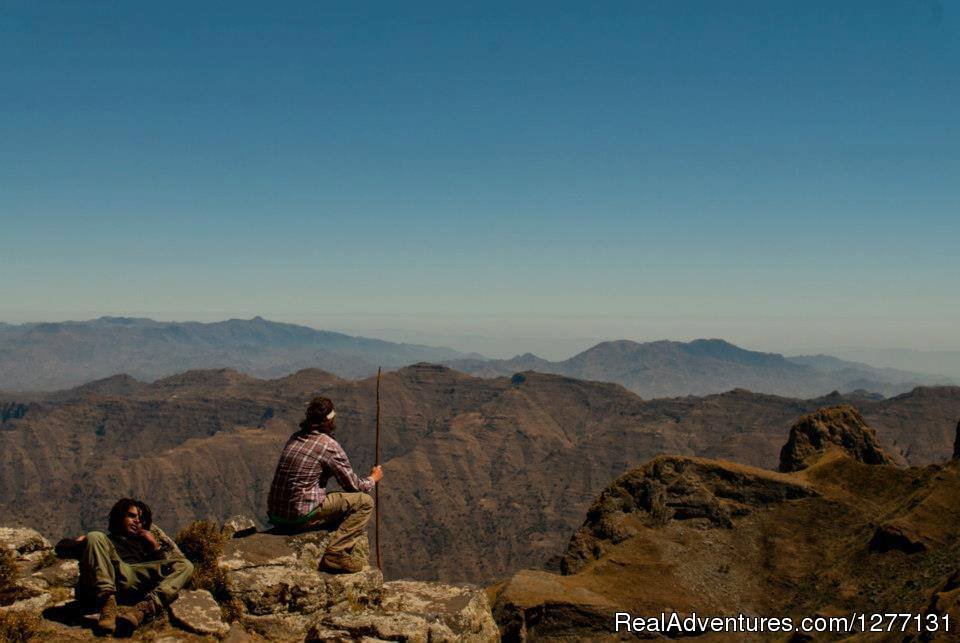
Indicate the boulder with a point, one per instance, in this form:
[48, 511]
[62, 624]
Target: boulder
[278, 627]
[271, 549]
[382, 625]
[707, 493]
[63, 573]
[238, 526]
[465, 611]
[539, 605]
[321, 634]
[278, 589]
[275, 578]
[33, 604]
[236, 634]
[196, 611]
[413, 611]
[22, 540]
[31, 585]
[833, 427]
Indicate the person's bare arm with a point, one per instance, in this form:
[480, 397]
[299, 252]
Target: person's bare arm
[149, 538]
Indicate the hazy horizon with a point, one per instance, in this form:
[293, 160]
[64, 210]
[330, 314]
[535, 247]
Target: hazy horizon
[554, 345]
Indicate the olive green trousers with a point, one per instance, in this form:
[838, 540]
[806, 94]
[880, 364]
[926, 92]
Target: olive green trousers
[103, 572]
[346, 513]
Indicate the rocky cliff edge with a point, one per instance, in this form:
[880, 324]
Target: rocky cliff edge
[844, 531]
[273, 591]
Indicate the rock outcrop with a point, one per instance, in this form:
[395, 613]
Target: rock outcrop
[275, 593]
[837, 426]
[23, 541]
[239, 526]
[675, 488]
[683, 535]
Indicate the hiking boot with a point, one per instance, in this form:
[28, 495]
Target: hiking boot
[130, 618]
[107, 621]
[333, 563]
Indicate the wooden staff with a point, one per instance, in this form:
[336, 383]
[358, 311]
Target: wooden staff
[376, 504]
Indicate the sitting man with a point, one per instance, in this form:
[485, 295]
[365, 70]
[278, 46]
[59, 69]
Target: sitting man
[136, 561]
[298, 497]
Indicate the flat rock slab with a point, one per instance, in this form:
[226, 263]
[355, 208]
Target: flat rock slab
[197, 611]
[266, 548]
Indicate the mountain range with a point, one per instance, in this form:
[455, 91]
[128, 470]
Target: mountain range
[704, 366]
[484, 476]
[49, 356]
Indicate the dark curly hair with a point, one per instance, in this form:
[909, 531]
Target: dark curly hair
[119, 512]
[315, 418]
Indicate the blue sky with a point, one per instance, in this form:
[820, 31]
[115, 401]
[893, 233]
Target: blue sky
[785, 175]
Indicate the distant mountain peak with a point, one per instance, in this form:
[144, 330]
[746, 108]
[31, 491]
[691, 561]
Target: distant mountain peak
[618, 344]
[215, 376]
[121, 384]
[426, 367]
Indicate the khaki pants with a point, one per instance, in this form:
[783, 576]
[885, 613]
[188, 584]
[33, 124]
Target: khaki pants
[351, 510]
[103, 572]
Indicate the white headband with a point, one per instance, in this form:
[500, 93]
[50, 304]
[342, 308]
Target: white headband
[331, 414]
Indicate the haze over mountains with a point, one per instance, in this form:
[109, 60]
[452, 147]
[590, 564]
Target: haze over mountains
[944, 362]
[704, 366]
[484, 476]
[49, 356]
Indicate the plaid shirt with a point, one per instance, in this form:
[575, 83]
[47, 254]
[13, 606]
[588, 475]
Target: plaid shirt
[308, 461]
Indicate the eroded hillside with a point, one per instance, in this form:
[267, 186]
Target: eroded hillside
[483, 476]
[846, 532]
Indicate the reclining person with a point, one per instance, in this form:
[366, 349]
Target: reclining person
[136, 561]
[298, 498]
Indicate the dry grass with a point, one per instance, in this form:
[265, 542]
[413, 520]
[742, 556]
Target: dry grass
[18, 626]
[203, 543]
[8, 568]
[8, 576]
